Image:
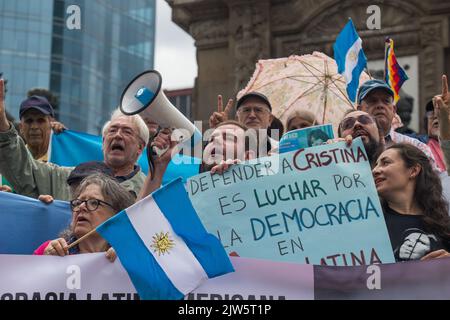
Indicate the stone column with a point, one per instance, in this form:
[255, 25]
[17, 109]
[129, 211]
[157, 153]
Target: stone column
[434, 38]
[249, 38]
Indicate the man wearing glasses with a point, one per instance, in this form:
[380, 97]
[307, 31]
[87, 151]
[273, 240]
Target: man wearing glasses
[124, 139]
[361, 124]
[377, 99]
[255, 112]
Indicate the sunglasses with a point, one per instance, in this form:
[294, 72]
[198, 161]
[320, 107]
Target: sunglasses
[348, 123]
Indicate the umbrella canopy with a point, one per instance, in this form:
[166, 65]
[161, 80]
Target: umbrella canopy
[309, 82]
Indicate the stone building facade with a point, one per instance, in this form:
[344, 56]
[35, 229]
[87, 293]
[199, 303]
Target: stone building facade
[231, 35]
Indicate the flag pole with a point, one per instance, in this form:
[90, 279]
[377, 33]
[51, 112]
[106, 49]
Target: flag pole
[386, 45]
[73, 244]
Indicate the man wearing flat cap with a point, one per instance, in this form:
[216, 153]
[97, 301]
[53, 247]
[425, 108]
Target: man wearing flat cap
[254, 111]
[377, 99]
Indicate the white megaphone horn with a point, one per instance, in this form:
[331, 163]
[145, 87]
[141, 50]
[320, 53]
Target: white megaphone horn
[144, 96]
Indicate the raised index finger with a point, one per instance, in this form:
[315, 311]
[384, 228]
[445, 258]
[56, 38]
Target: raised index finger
[444, 85]
[219, 103]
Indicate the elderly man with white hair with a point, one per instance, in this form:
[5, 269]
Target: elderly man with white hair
[124, 139]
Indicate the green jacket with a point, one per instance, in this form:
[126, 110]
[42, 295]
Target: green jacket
[30, 177]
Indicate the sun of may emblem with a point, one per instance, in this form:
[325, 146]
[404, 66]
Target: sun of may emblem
[352, 56]
[162, 244]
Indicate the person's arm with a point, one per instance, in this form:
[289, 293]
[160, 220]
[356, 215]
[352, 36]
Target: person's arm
[442, 108]
[27, 176]
[153, 182]
[4, 123]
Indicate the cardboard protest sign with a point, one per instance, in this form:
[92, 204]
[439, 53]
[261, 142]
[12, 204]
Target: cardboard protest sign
[316, 205]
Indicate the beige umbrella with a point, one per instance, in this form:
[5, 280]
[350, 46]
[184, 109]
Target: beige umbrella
[309, 82]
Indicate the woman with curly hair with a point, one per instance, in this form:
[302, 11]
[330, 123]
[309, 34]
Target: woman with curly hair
[411, 194]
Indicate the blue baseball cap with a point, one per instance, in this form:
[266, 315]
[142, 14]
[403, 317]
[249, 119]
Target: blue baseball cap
[371, 85]
[38, 103]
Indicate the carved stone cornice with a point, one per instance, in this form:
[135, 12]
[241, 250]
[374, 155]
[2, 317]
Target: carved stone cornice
[434, 30]
[209, 33]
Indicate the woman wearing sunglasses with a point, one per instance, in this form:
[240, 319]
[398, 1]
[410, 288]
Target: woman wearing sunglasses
[96, 200]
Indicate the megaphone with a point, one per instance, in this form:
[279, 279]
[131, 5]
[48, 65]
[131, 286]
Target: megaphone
[144, 96]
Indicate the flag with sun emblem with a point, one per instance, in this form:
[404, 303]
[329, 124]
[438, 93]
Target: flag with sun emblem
[164, 247]
[350, 57]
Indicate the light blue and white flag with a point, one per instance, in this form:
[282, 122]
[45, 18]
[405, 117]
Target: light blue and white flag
[25, 223]
[164, 247]
[70, 148]
[350, 58]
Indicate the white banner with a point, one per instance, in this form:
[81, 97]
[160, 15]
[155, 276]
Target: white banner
[93, 277]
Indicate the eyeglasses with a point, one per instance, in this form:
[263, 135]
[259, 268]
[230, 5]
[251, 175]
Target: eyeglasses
[257, 110]
[348, 123]
[91, 204]
[430, 115]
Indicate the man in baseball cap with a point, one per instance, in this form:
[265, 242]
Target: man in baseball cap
[377, 99]
[36, 115]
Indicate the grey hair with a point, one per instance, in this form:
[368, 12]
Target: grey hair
[142, 128]
[114, 193]
[304, 114]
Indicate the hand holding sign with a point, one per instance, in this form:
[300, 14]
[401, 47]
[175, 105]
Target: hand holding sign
[442, 108]
[221, 115]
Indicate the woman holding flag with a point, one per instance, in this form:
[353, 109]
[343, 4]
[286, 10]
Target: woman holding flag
[97, 199]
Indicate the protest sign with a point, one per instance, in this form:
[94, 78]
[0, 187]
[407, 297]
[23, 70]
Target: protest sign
[317, 205]
[305, 138]
[26, 223]
[93, 277]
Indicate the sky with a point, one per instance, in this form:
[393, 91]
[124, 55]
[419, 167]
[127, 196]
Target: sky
[174, 51]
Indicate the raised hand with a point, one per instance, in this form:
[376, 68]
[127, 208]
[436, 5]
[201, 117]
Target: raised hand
[4, 124]
[442, 109]
[221, 114]
[58, 127]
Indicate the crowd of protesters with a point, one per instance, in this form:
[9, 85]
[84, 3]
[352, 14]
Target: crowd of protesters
[411, 173]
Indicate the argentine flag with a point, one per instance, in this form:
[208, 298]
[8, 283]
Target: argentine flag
[350, 58]
[164, 247]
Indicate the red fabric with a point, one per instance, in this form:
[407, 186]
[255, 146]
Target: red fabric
[40, 250]
[437, 152]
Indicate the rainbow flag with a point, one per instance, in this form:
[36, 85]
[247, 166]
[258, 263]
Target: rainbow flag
[394, 75]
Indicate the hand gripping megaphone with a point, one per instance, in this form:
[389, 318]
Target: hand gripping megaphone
[144, 96]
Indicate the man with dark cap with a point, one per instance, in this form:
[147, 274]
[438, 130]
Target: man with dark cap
[377, 99]
[35, 116]
[254, 111]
